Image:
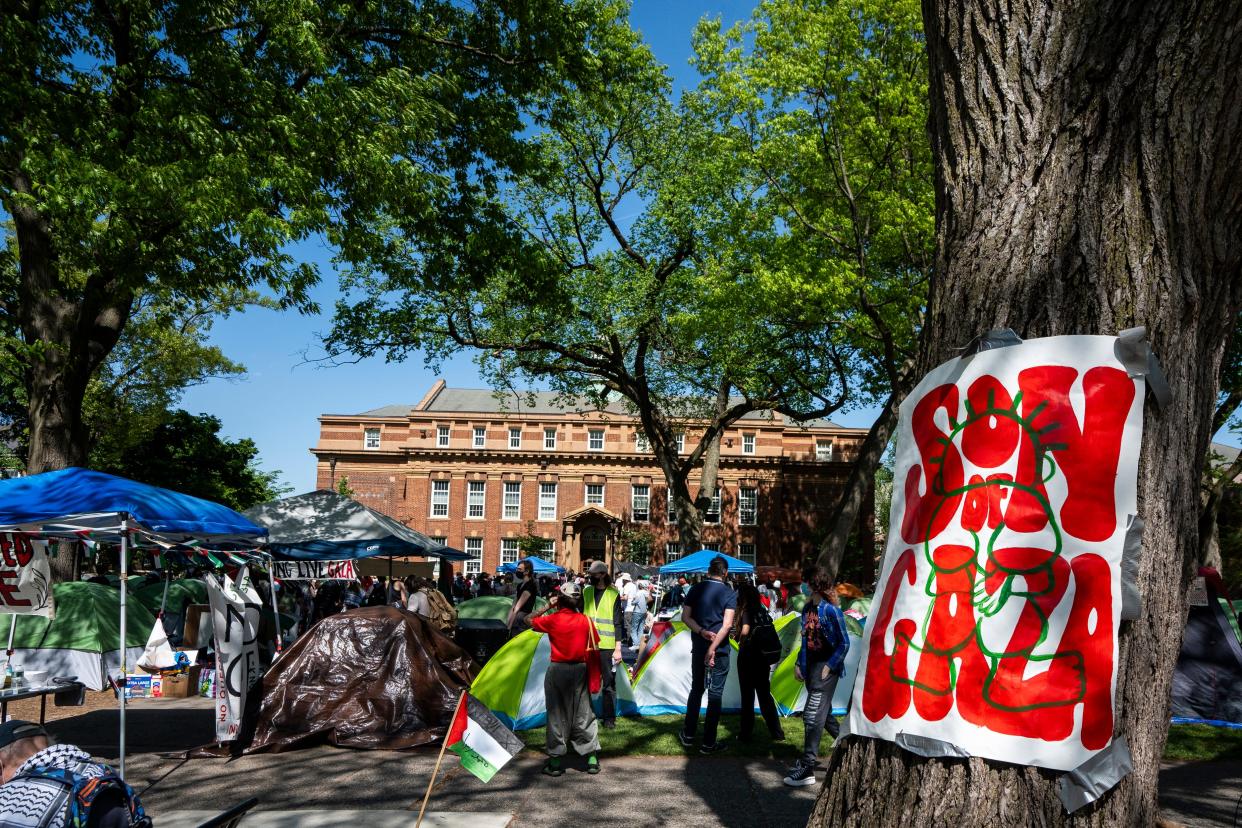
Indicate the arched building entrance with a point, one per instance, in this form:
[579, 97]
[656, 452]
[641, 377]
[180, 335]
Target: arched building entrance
[590, 533]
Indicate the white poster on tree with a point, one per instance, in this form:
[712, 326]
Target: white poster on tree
[235, 612]
[994, 625]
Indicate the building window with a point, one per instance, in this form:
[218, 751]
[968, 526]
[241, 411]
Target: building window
[508, 551]
[712, 546]
[476, 494]
[713, 510]
[640, 503]
[370, 438]
[443, 541]
[595, 440]
[746, 552]
[595, 494]
[672, 551]
[515, 438]
[513, 501]
[748, 444]
[480, 436]
[439, 498]
[547, 501]
[474, 548]
[548, 552]
[681, 443]
[641, 443]
[549, 438]
[823, 450]
[747, 506]
[672, 507]
[442, 436]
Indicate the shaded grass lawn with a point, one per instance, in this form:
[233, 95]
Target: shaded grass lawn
[657, 736]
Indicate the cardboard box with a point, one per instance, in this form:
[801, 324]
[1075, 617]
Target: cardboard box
[197, 626]
[144, 687]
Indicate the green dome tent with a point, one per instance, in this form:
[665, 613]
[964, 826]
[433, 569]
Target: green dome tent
[82, 639]
[490, 608]
[181, 592]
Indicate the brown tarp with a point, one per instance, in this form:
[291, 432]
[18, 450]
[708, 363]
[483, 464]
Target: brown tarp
[377, 678]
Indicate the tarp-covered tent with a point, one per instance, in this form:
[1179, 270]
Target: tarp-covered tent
[538, 565]
[511, 683]
[83, 639]
[326, 526]
[377, 678]
[1207, 682]
[699, 561]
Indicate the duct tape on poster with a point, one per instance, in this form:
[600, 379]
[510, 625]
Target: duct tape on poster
[235, 613]
[315, 570]
[25, 576]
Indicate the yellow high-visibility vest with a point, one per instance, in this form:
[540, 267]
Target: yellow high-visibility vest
[602, 615]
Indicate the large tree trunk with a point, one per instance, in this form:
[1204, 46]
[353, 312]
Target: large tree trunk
[1088, 172]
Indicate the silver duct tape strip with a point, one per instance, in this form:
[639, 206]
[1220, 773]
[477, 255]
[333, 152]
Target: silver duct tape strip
[1134, 352]
[930, 748]
[1096, 776]
[1131, 555]
[990, 341]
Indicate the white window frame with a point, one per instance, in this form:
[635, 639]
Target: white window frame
[672, 551]
[515, 437]
[711, 546]
[367, 434]
[746, 552]
[681, 444]
[440, 487]
[748, 444]
[672, 507]
[473, 564]
[591, 435]
[587, 495]
[508, 551]
[745, 493]
[641, 444]
[635, 498]
[547, 501]
[476, 499]
[442, 436]
[480, 437]
[713, 508]
[822, 455]
[548, 552]
[511, 510]
[549, 439]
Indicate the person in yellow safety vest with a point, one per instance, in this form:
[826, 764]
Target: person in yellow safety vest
[602, 604]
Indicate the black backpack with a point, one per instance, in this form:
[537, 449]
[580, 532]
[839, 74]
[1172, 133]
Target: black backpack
[764, 644]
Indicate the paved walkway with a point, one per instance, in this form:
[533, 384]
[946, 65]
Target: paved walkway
[632, 792]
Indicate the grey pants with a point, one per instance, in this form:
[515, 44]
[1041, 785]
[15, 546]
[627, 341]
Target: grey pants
[818, 711]
[570, 717]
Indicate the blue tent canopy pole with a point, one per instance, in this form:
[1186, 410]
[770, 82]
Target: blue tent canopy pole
[124, 594]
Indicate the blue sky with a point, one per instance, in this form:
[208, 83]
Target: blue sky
[276, 404]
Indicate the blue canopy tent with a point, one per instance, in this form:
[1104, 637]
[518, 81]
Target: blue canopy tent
[699, 561]
[326, 526]
[78, 503]
[538, 565]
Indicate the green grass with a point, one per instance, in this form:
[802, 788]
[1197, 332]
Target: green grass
[657, 736]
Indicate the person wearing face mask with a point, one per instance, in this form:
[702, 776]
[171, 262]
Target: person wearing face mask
[602, 604]
[524, 600]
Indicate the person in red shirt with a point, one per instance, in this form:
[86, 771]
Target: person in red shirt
[571, 719]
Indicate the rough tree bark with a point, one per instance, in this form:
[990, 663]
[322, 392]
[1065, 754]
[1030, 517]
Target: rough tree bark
[1089, 178]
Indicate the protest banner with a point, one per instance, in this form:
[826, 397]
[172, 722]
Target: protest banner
[25, 576]
[315, 570]
[994, 625]
[235, 609]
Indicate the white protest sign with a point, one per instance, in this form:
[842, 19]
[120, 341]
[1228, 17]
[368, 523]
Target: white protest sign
[315, 570]
[235, 613]
[25, 576]
[994, 625]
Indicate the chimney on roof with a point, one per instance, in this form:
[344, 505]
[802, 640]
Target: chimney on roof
[430, 396]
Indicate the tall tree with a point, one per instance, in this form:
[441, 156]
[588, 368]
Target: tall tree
[826, 106]
[1087, 177]
[182, 145]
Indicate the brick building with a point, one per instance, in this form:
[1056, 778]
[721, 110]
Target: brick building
[477, 470]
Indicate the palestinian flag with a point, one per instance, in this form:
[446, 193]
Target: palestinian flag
[480, 739]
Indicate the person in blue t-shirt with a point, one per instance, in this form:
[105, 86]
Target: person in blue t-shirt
[821, 662]
[708, 613]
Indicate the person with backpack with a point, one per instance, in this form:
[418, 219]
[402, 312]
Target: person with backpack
[58, 786]
[426, 601]
[821, 663]
[758, 648]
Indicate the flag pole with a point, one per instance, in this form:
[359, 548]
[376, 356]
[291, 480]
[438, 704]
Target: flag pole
[439, 759]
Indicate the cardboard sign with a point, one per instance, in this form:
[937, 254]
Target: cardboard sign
[315, 570]
[25, 576]
[994, 625]
[235, 613]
